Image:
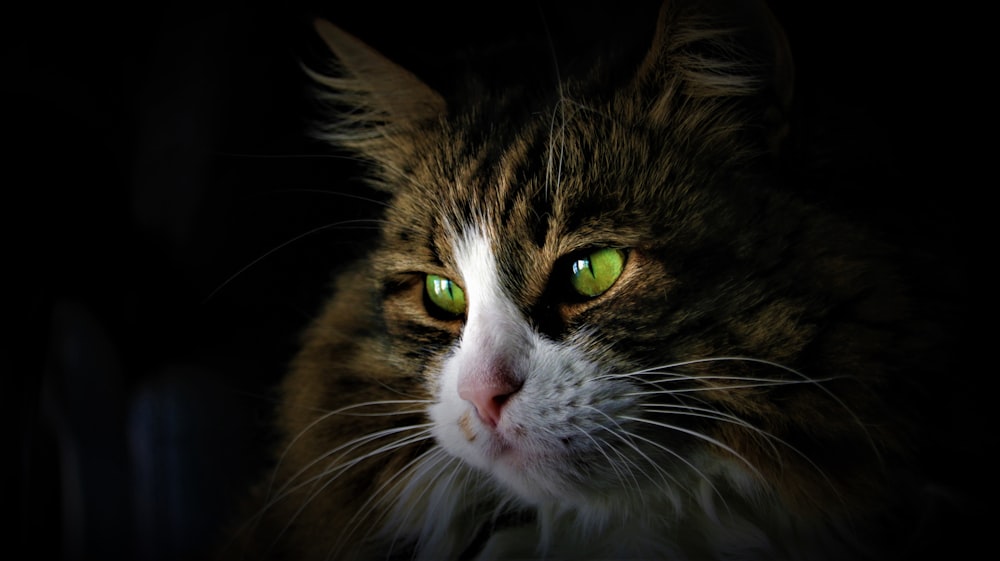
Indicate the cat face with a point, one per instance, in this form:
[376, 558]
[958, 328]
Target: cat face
[683, 365]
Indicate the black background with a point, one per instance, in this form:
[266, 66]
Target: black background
[157, 155]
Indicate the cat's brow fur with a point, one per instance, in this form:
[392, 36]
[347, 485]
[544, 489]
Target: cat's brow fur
[769, 348]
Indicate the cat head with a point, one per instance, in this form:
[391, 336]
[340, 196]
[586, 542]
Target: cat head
[606, 291]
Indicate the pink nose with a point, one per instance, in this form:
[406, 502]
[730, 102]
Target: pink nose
[489, 390]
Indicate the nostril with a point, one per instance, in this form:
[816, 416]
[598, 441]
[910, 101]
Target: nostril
[501, 399]
[489, 391]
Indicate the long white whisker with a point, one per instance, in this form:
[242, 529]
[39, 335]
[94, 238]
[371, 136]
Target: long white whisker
[560, 109]
[345, 449]
[432, 455]
[324, 417]
[273, 498]
[281, 246]
[349, 447]
[448, 467]
[298, 190]
[819, 383]
[715, 415]
[686, 462]
[701, 436]
[760, 384]
[452, 469]
[678, 364]
[599, 444]
[621, 434]
[771, 439]
[331, 474]
[666, 449]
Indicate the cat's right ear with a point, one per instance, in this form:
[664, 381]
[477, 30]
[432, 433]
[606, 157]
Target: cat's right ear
[378, 103]
[747, 55]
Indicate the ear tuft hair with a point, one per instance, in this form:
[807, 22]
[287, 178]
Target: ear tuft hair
[377, 104]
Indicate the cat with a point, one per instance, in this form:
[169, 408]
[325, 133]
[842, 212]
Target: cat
[599, 322]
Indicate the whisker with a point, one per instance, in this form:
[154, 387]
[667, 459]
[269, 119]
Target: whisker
[428, 486]
[701, 436]
[758, 384]
[392, 413]
[330, 474]
[818, 382]
[621, 434]
[600, 443]
[326, 416]
[551, 152]
[715, 415]
[343, 194]
[666, 449]
[281, 246]
[690, 362]
[588, 109]
[377, 498]
[439, 495]
[770, 438]
[272, 497]
[290, 486]
[686, 462]
[559, 108]
[323, 156]
[351, 446]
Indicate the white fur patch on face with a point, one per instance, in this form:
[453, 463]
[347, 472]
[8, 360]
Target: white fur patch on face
[494, 330]
[495, 338]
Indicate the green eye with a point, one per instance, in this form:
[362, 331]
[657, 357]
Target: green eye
[595, 273]
[445, 294]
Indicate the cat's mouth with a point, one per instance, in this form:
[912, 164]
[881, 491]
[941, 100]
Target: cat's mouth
[499, 449]
[496, 444]
[507, 444]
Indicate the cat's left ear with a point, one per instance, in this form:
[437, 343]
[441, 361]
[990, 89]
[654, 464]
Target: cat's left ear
[380, 103]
